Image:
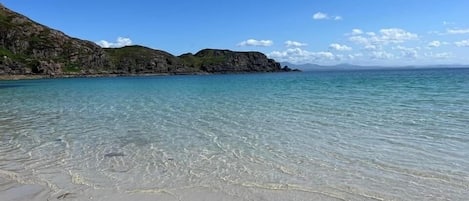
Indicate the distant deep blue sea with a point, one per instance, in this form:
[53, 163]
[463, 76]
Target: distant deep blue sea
[329, 135]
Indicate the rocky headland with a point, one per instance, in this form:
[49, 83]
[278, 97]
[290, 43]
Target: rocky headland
[29, 49]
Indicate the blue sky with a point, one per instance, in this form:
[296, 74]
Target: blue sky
[364, 32]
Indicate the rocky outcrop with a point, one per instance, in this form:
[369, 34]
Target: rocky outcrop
[223, 61]
[29, 48]
[143, 60]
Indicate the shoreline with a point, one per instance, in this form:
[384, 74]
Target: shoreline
[36, 77]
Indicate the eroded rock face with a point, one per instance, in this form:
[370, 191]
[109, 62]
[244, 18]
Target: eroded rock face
[27, 47]
[141, 60]
[230, 61]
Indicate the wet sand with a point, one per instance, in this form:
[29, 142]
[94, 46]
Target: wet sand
[13, 191]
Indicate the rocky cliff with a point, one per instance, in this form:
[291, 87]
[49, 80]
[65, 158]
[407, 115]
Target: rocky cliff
[142, 60]
[223, 61]
[29, 48]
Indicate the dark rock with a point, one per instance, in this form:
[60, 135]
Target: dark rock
[114, 154]
[226, 61]
[31, 48]
[141, 60]
[64, 196]
[286, 68]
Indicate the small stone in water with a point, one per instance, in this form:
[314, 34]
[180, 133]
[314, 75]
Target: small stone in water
[114, 154]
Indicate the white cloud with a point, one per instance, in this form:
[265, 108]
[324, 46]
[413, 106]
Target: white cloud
[381, 55]
[434, 43]
[320, 16]
[434, 33]
[323, 55]
[450, 32]
[463, 43]
[446, 23]
[357, 32]
[410, 53]
[339, 47]
[457, 31]
[120, 42]
[371, 47]
[396, 35]
[441, 55]
[375, 43]
[360, 40]
[324, 16]
[385, 37]
[104, 43]
[353, 56]
[253, 42]
[298, 55]
[290, 43]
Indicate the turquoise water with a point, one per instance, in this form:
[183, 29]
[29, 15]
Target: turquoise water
[341, 135]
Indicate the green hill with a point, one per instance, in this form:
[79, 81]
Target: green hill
[29, 48]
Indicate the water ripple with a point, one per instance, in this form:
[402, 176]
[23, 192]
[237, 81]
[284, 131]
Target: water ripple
[371, 135]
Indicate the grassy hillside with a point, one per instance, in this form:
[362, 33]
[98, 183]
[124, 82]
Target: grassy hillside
[28, 48]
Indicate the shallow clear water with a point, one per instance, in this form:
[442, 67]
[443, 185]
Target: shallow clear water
[343, 135]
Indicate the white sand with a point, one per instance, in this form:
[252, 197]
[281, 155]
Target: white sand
[13, 191]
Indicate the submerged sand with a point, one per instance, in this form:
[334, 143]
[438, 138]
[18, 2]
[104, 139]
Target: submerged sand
[14, 191]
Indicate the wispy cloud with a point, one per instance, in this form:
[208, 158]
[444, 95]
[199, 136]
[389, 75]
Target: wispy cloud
[409, 53]
[254, 42]
[396, 35]
[371, 47]
[457, 31]
[446, 23]
[120, 42]
[339, 47]
[453, 31]
[290, 43]
[325, 16]
[439, 56]
[320, 16]
[434, 43]
[384, 37]
[443, 55]
[381, 55]
[463, 43]
[356, 32]
[356, 55]
[298, 55]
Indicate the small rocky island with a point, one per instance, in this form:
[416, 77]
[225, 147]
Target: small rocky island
[30, 49]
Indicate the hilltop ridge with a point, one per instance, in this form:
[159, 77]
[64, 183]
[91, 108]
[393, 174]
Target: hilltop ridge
[30, 48]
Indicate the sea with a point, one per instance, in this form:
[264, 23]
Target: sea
[395, 134]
